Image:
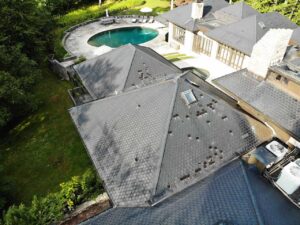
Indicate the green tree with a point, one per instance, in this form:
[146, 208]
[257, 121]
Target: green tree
[24, 40]
[288, 8]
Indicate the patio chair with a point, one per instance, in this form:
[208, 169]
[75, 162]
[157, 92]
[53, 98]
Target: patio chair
[151, 20]
[140, 20]
[145, 20]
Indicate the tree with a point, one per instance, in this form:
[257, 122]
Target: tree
[288, 8]
[24, 40]
[4, 187]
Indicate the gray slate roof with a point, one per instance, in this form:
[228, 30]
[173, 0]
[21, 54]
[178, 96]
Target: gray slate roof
[279, 106]
[296, 36]
[234, 194]
[290, 66]
[147, 144]
[235, 12]
[122, 68]
[202, 137]
[244, 34]
[125, 138]
[181, 16]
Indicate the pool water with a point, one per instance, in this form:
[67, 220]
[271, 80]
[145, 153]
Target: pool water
[122, 36]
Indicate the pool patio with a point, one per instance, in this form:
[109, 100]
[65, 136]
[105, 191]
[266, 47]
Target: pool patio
[76, 41]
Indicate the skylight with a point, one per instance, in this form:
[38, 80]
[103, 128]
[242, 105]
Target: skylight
[188, 96]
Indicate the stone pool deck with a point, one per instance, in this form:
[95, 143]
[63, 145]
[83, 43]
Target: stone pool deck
[76, 41]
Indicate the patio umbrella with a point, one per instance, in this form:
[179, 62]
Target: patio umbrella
[146, 10]
[107, 15]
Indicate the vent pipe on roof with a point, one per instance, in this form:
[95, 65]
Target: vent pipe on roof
[197, 10]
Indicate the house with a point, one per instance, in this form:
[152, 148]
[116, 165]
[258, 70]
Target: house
[235, 194]
[174, 149]
[150, 143]
[123, 68]
[227, 33]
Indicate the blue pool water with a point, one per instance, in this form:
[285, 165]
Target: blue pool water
[122, 36]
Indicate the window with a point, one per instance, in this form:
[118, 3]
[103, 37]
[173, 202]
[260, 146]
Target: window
[230, 56]
[202, 45]
[188, 96]
[179, 34]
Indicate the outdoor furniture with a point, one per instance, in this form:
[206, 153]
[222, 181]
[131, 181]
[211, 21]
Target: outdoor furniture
[151, 20]
[134, 20]
[107, 21]
[145, 20]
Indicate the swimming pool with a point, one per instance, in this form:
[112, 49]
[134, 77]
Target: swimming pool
[122, 36]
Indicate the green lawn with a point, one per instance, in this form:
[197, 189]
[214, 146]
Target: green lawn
[45, 149]
[173, 57]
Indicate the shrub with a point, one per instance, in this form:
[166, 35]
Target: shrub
[50, 209]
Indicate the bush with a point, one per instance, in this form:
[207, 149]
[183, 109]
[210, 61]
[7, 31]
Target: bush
[51, 208]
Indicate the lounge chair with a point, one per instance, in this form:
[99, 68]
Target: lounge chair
[145, 20]
[151, 20]
[134, 20]
[140, 20]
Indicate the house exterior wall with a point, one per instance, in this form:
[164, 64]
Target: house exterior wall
[268, 50]
[189, 39]
[172, 42]
[188, 45]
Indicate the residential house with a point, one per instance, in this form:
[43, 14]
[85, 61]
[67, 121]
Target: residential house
[222, 31]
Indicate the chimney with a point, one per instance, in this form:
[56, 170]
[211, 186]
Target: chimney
[197, 9]
[269, 50]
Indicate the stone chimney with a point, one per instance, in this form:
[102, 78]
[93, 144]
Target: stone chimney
[269, 50]
[197, 9]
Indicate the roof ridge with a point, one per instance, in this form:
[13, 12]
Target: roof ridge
[130, 66]
[166, 137]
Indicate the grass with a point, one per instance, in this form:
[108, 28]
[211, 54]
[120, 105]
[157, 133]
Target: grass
[94, 11]
[45, 149]
[173, 57]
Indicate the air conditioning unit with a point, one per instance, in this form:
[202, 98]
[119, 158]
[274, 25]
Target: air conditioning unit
[277, 149]
[289, 179]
